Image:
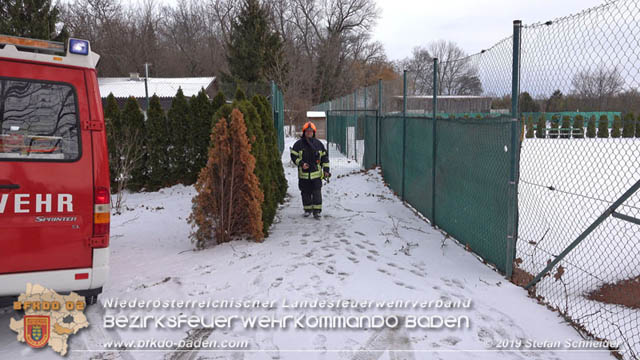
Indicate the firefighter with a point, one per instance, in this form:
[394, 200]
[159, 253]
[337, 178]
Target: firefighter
[310, 155]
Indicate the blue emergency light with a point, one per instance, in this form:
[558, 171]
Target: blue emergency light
[80, 47]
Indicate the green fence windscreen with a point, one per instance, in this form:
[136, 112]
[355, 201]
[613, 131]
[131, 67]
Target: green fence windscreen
[371, 141]
[472, 184]
[418, 188]
[391, 151]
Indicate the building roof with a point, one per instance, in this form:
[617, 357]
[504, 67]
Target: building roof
[316, 114]
[163, 87]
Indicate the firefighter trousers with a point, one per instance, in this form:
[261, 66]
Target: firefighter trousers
[311, 194]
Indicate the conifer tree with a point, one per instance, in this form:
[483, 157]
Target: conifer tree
[258, 150]
[227, 204]
[628, 126]
[178, 118]
[217, 105]
[638, 126]
[578, 127]
[157, 146]
[198, 141]
[113, 128]
[616, 129]
[270, 131]
[277, 186]
[591, 127]
[132, 120]
[255, 50]
[555, 124]
[240, 95]
[541, 128]
[566, 127]
[603, 126]
[32, 19]
[529, 133]
[218, 101]
[256, 137]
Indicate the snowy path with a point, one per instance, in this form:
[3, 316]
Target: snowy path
[368, 246]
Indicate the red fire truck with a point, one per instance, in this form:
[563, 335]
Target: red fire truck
[54, 172]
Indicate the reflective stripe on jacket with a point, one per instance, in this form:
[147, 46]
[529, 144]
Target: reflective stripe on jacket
[313, 153]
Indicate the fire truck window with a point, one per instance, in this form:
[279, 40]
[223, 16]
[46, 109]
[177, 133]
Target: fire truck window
[38, 120]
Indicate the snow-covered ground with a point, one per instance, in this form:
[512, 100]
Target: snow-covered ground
[368, 246]
[587, 176]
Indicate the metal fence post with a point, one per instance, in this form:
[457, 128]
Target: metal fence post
[364, 122]
[326, 116]
[378, 123]
[404, 128]
[433, 139]
[355, 125]
[512, 213]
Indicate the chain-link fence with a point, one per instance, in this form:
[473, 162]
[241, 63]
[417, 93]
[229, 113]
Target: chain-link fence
[527, 153]
[580, 154]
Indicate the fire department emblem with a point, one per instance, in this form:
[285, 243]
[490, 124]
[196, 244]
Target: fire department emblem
[36, 332]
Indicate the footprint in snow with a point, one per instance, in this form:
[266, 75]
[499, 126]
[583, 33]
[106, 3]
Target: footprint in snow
[277, 282]
[352, 259]
[257, 280]
[320, 343]
[452, 282]
[417, 273]
[485, 335]
[451, 340]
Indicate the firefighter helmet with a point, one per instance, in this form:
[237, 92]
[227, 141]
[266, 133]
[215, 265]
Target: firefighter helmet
[307, 125]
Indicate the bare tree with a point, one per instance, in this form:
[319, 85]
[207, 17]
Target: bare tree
[599, 85]
[184, 29]
[327, 43]
[456, 73]
[419, 71]
[331, 33]
[129, 153]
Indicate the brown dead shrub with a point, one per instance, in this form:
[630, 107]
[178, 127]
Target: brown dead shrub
[228, 203]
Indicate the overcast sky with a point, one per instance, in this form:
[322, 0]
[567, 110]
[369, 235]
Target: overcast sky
[472, 24]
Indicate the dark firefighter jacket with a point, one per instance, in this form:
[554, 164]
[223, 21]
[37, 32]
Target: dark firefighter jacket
[312, 152]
